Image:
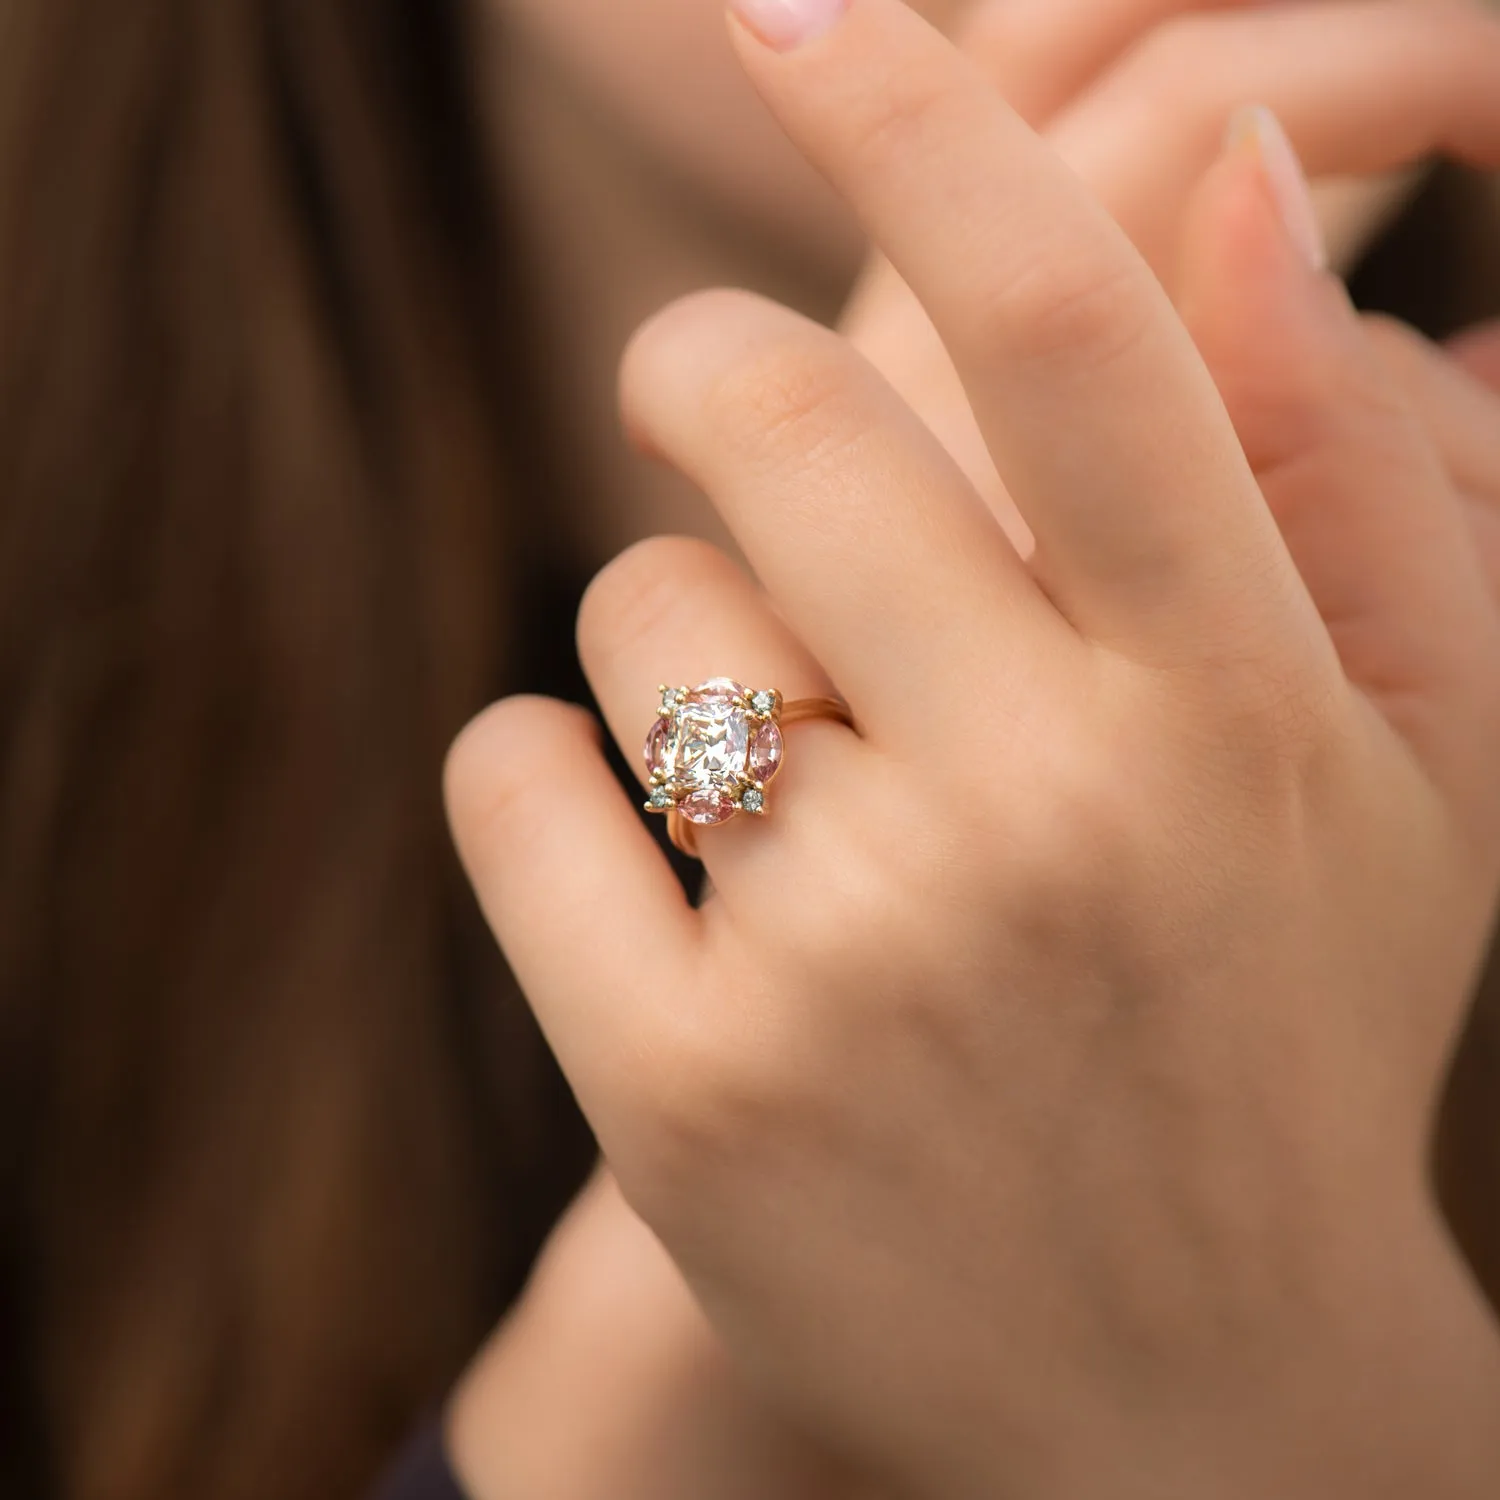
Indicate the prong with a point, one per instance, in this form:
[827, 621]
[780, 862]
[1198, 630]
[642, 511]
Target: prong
[663, 798]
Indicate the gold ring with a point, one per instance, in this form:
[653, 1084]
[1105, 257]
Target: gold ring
[715, 748]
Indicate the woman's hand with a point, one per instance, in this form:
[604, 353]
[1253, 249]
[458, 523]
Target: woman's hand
[1340, 452]
[1135, 95]
[1043, 1095]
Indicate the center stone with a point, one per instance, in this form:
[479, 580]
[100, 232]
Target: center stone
[713, 744]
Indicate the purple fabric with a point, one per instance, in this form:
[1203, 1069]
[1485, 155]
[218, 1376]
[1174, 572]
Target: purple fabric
[422, 1472]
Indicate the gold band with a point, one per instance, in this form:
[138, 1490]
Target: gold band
[800, 709]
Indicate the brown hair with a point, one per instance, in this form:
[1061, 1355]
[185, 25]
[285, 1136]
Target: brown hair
[257, 430]
[263, 1183]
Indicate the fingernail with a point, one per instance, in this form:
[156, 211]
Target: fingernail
[784, 24]
[1259, 127]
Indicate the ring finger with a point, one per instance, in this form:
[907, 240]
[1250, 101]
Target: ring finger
[678, 611]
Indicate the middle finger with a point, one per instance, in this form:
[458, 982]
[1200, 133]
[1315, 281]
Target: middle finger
[1101, 418]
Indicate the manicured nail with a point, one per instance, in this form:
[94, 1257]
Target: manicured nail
[784, 24]
[1258, 126]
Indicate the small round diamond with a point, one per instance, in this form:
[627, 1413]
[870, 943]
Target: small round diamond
[670, 698]
[764, 704]
[752, 800]
[661, 800]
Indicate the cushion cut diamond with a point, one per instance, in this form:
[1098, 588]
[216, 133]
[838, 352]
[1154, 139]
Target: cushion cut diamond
[712, 744]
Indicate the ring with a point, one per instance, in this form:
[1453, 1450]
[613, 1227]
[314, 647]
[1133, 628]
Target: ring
[715, 748]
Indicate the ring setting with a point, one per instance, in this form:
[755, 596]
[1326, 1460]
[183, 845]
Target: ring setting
[714, 750]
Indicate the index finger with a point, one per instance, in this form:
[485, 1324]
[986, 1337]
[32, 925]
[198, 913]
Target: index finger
[1098, 411]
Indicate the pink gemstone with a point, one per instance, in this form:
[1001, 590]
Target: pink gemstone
[658, 744]
[707, 807]
[765, 753]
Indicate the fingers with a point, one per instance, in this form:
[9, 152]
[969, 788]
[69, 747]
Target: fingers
[677, 611]
[1102, 421]
[1042, 53]
[579, 895]
[1362, 86]
[1459, 412]
[1376, 532]
[1478, 351]
[880, 556]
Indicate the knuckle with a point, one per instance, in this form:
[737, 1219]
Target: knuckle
[702, 1105]
[786, 399]
[679, 352]
[488, 780]
[636, 597]
[1082, 810]
[1066, 304]
[1276, 733]
[917, 112]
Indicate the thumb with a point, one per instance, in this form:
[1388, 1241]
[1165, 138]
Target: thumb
[1361, 498]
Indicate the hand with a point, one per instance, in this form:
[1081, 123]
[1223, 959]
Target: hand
[1135, 95]
[1044, 1093]
[1455, 392]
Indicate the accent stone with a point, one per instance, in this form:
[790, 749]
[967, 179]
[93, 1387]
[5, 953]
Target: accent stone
[659, 747]
[752, 800]
[764, 704]
[718, 689]
[765, 753]
[707, 807]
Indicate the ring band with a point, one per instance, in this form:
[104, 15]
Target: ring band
[715, 748]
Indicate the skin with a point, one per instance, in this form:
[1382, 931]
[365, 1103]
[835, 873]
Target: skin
[1342, 449]
[695, 185]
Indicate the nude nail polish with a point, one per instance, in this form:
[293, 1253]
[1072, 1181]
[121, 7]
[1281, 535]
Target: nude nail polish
[1258, 126]
[785, 24]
